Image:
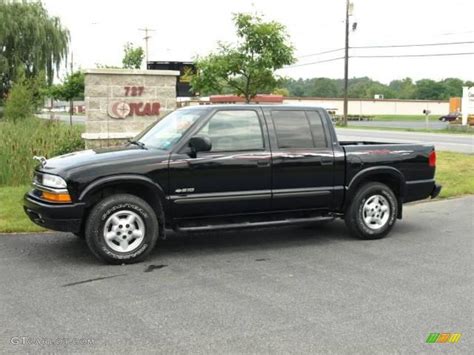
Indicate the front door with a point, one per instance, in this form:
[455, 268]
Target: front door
[233, 178]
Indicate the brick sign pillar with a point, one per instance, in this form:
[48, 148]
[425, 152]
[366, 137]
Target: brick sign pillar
[120, 103]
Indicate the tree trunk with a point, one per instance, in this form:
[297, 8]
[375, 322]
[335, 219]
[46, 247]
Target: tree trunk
[71, 109]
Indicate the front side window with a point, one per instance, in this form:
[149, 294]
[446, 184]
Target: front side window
[167, 132]
[234, 131]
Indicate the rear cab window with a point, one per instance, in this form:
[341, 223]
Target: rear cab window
[298, 129]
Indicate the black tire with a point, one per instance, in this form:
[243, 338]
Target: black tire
[358, 209]
[114, 206]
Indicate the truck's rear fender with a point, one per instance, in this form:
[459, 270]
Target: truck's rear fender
[140, 186]
[387, 175]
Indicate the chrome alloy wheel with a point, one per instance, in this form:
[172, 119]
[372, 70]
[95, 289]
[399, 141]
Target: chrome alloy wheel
[376, 212]
[124, 231]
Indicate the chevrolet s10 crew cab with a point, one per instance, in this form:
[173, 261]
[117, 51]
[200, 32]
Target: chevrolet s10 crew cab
[227, 166]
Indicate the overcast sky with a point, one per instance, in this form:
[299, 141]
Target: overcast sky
[185, 28]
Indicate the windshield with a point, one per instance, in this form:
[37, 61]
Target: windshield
[167, 132]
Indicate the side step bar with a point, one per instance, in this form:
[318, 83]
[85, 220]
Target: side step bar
[280, 222]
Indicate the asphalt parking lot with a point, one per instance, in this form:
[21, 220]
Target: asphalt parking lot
[298, 289]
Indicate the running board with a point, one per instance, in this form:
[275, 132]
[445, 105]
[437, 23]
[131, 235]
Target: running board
[280, 222]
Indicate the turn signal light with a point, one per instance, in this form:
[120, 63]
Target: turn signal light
[432, 159]
[59, 197]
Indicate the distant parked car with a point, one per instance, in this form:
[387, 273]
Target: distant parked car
[453, 116]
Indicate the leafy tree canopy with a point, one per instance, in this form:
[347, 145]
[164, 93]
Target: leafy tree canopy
[133, 57]
[246, 67]
[30, 41]
[366, 88]
[71, 89]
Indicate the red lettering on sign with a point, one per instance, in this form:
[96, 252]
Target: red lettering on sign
[134, 90]
[155, 109]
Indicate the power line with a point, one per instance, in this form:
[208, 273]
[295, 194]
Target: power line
[412, 55]
[318, 53]
[390, 46]
[382, 56]
[317, 62]
[414, 45]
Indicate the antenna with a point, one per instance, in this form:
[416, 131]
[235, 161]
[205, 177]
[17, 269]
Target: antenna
[146, 38]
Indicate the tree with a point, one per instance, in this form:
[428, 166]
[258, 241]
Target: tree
[30, 39]
[19, 105]
[71, 89]
[427, 89]
[133, 57]
[323, 87]
[248, 66]
[452, 87]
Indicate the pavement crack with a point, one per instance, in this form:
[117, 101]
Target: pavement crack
[150, 268]
[92, 280]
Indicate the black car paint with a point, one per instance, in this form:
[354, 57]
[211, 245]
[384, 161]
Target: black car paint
[236, 184]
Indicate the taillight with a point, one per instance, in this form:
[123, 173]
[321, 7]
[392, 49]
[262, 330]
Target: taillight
[432, 159]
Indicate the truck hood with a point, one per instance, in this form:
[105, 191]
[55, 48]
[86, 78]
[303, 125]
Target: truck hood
[124, 156]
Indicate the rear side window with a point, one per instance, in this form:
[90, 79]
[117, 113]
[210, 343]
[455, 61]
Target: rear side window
[292, 129]
[317, 129]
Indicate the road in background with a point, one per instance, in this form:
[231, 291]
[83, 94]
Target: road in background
[76, 119]
[282, 290]
[434, 124]
[462, 143]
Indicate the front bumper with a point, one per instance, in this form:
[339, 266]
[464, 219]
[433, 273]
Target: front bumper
[55, 216]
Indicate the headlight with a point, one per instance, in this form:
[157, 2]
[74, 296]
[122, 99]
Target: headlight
[53, 181]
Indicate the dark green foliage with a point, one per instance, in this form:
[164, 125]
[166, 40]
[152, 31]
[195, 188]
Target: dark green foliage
[366, 88]
[30, 40]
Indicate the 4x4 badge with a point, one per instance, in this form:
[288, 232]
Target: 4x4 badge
[183, 190]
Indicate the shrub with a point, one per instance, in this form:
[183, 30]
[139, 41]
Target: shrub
[20, 103]
[20, 141]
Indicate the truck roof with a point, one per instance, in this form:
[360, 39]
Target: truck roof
[247, 106]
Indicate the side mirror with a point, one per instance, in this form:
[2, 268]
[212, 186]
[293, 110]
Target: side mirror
[199, 144]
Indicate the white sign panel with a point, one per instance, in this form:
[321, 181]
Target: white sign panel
[467, 103]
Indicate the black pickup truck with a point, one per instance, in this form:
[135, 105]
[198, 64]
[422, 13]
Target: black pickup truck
[228, 166]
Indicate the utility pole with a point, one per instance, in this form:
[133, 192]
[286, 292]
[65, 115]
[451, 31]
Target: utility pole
[346, 65]
[146, 38]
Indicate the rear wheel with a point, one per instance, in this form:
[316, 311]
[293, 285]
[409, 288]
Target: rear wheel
[122, 229]
[372, 212]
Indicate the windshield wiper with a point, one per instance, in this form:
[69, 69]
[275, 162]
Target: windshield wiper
[140, 144]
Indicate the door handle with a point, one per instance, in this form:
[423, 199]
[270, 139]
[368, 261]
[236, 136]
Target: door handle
[263, 163]
[327, 161]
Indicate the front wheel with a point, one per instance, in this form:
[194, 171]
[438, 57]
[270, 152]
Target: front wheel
[372, 212]
[122, 229]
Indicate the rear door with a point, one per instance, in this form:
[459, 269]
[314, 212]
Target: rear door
[302, 159]
[234, 177]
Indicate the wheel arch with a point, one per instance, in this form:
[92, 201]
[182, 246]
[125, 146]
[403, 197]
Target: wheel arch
[387, 175]
[139, 186]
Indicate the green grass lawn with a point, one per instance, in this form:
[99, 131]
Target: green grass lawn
[400, 117]
[382, 128]
[455, 171]
[12, 216]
